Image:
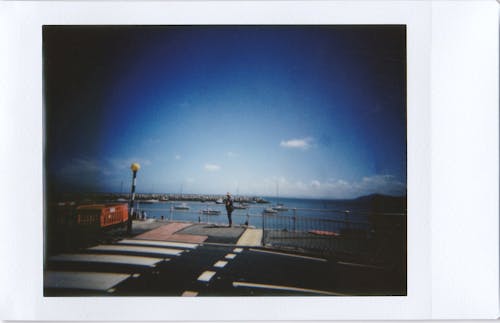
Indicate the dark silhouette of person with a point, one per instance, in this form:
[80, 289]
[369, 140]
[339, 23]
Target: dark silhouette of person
[229, 208]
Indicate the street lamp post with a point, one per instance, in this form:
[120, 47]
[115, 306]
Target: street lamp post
[134, 167]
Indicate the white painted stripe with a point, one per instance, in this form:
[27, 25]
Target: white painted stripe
[101, 258]
[286, 288]
[360, 265]
[189, 293]
[220, 264]
[206, 276]
[230, 256]
[137, 249]
[83, 280]
[251, 238]
[154, 243]
[287, 254]
[237, 250]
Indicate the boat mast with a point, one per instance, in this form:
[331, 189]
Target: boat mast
[277, 193]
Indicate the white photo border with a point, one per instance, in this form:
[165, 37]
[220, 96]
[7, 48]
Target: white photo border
[21, 126]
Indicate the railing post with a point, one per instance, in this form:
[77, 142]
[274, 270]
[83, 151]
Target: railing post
[263, 242]
[294, 219]
[347, 219]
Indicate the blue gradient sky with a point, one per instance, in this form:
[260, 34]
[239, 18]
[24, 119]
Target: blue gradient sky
[319, 110]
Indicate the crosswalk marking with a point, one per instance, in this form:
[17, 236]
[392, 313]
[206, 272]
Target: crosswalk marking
[237, 250]
[83, 280]
[100, 258]
[137, 249]
[155, 243]
[220, 264]
[206, 276]
[230, 256]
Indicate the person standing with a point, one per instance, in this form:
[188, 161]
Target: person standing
[229, 208]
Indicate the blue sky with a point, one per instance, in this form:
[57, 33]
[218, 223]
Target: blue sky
[321, 111]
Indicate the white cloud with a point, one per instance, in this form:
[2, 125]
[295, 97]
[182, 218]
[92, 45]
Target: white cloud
[231, 154]
[177, 157]
[212, 167]
[381, 184]
[304, 143]
[315, 184]
[331, 188]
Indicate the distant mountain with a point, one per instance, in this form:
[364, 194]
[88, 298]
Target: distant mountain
[384, 203]
[378, 197]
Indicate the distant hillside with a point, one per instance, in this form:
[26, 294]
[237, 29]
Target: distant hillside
[375, 197]
[380, 202]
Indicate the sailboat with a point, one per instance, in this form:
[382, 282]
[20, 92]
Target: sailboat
[152, 199]
[270, 210]
[209, 211]
[240, 205]
[182, 206]
[121, 199]
[279, 206]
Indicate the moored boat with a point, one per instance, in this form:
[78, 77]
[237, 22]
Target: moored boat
[211, 212]
[182, 206]
[240, 206]
[269, 211]
[280, 208]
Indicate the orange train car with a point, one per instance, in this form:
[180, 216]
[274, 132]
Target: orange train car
[102, 215]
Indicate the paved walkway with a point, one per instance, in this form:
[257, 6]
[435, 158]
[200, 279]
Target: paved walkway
[251, 238]
[215, 233]
[168, 232]
[199, 233]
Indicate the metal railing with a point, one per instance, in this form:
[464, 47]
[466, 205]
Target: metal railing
[380, 240]
[312, 233]
[330, 232]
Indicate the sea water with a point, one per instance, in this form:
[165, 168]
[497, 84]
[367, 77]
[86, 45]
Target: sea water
[307, 210]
